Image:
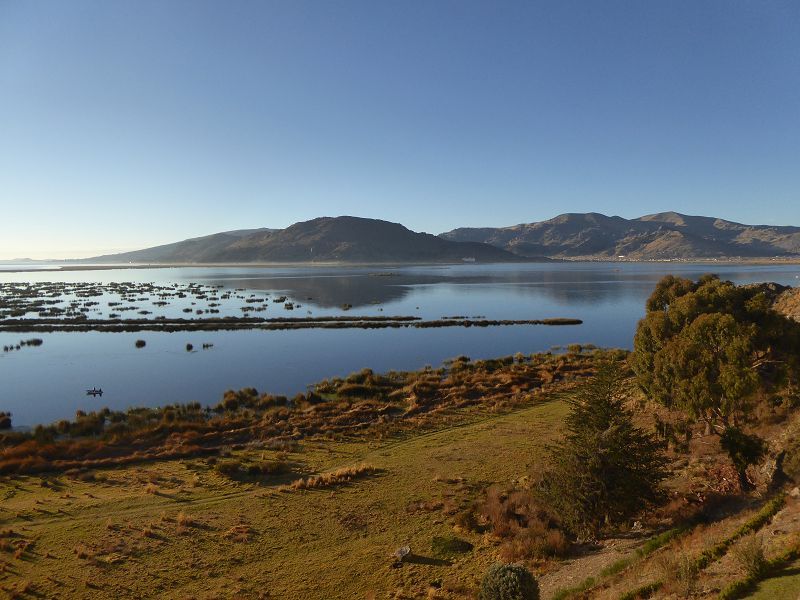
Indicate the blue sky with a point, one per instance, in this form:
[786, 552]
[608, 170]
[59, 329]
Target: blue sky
[128, 124]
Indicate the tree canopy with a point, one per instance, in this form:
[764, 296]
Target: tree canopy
[707, 347]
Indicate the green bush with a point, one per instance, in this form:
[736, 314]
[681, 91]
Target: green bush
[228, 467]
[509, 582]
[791, 463]
[272, 467]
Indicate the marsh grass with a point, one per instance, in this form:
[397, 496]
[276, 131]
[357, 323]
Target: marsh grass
[385, 404]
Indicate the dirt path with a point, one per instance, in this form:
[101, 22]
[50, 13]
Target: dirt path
[573, 572]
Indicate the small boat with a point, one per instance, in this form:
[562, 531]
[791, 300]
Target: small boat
[94, 392]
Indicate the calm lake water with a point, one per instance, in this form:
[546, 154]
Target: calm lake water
[48, 382]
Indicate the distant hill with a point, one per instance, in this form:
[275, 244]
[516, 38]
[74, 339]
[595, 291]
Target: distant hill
[344, 239]
[660, 236]
[200, 249]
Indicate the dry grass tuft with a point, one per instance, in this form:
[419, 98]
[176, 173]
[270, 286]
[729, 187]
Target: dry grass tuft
[338, 477]
[185, 520]
[525, 529]
[83, 552]
[149, 531]
[679, 571]
[240, 533]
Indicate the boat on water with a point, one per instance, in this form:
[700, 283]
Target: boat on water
[94, 392]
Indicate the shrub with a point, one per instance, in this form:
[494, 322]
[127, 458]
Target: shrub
[750, 555]
[356, 390]
[272, 467]
[680, 572]
[527, 530]
[535, 541]
[791, 464]
[509, 582]
[228, 467]
[466, 520]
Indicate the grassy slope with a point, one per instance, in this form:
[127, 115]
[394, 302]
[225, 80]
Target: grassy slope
[331, 543]
[785, 585]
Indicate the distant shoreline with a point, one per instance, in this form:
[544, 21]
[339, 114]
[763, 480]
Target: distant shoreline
[333, 264]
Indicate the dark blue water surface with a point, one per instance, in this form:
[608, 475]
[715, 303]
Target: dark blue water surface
[48, 382]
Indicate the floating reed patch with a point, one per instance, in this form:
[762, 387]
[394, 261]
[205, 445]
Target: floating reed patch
[232, 323]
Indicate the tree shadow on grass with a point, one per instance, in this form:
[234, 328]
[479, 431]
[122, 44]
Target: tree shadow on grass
[790, 570]
[418, 559]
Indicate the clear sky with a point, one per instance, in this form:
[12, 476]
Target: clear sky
[129, 124]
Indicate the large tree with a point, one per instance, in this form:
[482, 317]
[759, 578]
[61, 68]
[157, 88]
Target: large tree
[606, 469]
[707, 347]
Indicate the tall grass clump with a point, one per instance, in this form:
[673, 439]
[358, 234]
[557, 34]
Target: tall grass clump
[338, 477]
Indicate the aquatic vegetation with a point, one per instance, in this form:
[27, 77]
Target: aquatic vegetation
[31, 342]
[393, 401]
[161, 323]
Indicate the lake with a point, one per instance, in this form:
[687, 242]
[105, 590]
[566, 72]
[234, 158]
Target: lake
[48, 382]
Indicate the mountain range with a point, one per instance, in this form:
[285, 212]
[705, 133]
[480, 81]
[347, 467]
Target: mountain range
[668, 235]
[593, 236]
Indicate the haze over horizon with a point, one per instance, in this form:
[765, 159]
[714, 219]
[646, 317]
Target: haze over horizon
[131, 124]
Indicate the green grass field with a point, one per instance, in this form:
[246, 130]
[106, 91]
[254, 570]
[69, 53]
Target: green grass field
[784, 585]
[179, 529]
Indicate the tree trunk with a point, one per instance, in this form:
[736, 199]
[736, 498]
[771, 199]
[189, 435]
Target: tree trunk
[744, 482]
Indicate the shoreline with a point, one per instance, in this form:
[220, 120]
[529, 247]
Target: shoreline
[356, 405]
[253, 265]
[72, 267]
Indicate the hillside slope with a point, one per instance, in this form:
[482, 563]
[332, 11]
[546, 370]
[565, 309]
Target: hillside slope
[200, 249]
